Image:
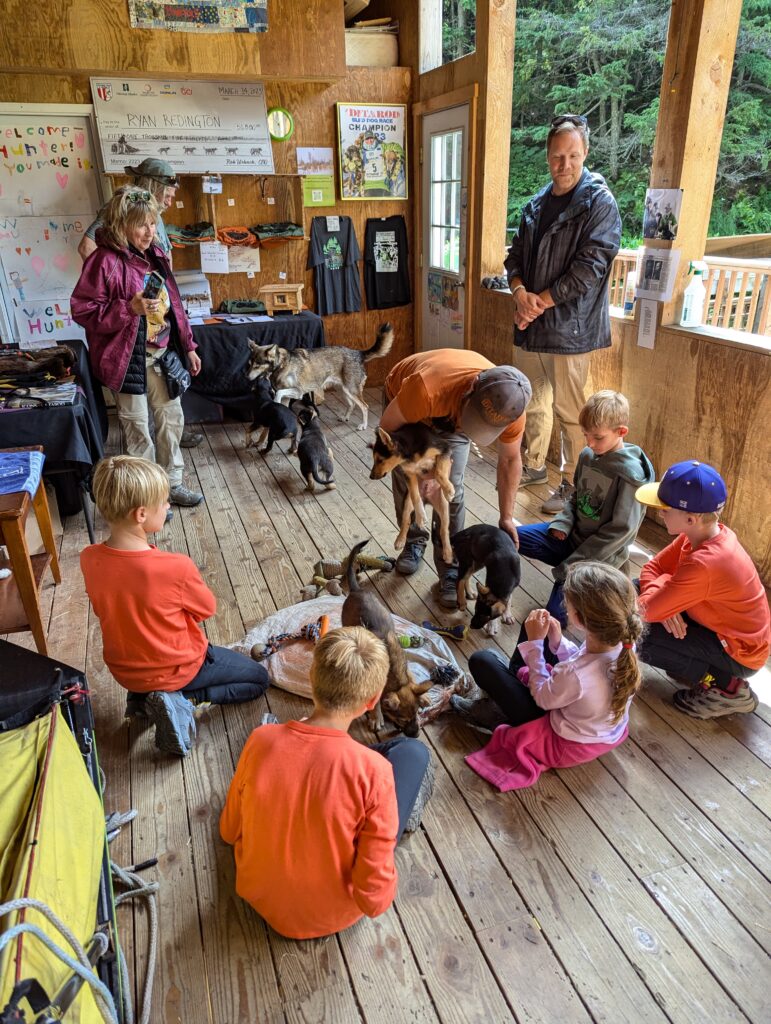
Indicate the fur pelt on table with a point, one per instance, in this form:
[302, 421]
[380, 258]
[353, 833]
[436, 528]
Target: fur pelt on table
[57, 361]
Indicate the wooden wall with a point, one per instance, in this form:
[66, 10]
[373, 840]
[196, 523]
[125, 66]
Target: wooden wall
[305, 40]
[313, 107]
[692, 396]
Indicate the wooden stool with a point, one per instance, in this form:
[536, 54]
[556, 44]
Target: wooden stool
[19, 594]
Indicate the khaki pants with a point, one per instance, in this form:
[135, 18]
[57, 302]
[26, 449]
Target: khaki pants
[133, 415]
[558, 383]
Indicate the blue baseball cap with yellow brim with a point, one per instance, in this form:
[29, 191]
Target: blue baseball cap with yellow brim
[688, 487]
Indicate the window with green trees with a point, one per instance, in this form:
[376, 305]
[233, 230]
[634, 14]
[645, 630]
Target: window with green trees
[603, 58]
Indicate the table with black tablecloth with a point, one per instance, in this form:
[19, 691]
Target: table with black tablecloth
[72, 436]
[224, 352]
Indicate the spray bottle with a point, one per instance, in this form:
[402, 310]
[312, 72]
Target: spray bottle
[694, 295]
[629, 290]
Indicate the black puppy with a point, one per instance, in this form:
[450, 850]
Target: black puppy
[274, 419]
[313, 451]
[490, 548]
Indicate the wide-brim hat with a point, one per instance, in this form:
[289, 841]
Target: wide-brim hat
[159, 170]
[498, 398]
[687, 487]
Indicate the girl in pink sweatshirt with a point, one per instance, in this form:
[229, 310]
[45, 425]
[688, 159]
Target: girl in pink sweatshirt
[576, 710]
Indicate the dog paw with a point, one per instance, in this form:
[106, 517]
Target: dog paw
[471, 594]
[492, 627]
[449, 492]
[447, 555]
[507, 619]
[362, 426]
[400, 541]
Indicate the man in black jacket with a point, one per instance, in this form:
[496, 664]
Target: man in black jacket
[558, 268]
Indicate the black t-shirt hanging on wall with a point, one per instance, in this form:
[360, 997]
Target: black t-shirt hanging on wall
[386, 271]
[334, 255]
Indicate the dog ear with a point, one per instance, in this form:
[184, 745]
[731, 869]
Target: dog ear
[418, 688]
[385, 438]
[482, 589]
[390, 701]
[254, 346]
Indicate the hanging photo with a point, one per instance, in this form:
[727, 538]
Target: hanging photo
[372, 151]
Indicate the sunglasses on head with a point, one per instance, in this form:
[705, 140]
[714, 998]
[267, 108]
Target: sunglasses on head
[577, 119]
[142, 196]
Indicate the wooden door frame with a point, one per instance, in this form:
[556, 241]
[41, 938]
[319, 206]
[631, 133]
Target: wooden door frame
[458, 97]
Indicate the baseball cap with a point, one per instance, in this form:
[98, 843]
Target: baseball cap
[500, 396]
[159, 170]
[688, 486]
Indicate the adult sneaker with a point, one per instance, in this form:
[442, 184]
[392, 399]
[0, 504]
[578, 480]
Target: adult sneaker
[713, 702]
[409, 560]
[484, 715]
[190, 439]
[447, 591]
[531, 476]
[172, 715]
[181, 495]
[556, 500]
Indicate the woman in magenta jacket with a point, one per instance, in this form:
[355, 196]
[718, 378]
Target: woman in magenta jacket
[127, 333]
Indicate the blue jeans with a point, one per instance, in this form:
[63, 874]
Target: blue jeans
[409, 759]
[227, 677]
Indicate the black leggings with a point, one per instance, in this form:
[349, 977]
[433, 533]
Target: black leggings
[496, 678]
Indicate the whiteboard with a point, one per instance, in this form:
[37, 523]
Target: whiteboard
[50, 191]
[198, 127]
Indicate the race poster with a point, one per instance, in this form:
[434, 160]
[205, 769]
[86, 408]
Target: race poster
[372, 150]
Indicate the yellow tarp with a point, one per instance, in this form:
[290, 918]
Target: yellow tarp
[57, 804]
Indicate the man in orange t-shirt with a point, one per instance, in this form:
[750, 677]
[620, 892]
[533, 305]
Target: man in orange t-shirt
[313, 815]
[463, 397]
[709, 620]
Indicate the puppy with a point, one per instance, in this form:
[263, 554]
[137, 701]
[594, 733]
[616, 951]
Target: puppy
[402, 698]
[275, 420]
[313, 451]
[490, 548]
[420, 453]
[317, 369]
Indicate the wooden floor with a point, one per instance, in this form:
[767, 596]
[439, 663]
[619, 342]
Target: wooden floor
[634, 889]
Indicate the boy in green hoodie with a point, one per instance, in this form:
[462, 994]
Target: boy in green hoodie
[601, 518]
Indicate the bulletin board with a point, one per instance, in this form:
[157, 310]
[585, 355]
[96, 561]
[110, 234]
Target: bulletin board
[50, 191]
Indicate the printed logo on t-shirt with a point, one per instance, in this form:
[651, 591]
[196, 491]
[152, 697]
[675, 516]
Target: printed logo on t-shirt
[386, 251]
[333, 254]
[589, 503]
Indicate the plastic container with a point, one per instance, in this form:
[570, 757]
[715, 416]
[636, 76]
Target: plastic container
[629, 289]
[694, 296]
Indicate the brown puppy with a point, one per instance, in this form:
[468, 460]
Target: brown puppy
[420, 453]
[402, 698]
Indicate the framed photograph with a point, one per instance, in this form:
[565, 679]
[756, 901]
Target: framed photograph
[372, 150]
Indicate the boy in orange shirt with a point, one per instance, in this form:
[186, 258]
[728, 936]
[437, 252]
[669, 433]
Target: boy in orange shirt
[315, 816]
[150, 604]
[710, 623]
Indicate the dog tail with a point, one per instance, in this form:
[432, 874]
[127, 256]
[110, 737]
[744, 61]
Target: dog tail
[350, 565]
[383, 344]
[325, 482]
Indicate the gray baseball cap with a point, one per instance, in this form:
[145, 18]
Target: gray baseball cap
[499, 397]
[159, 170]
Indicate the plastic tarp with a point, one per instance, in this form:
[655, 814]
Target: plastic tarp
[51, 845]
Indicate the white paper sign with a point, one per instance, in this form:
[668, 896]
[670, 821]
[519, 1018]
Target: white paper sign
[658, 271]
[646, 327]
[333, 223]
[40, 255]
[211, 184]
[244, 259]
[43, 321]
[198, 127]
[214, 258]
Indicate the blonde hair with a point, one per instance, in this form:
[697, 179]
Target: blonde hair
[708, 518]
[605, 603]
[350, 667]
[604, 409]
[123, 482]
[129, 207]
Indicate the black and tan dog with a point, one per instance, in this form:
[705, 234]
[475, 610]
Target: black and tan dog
[490, 548]
[402, 698]
[420, 454]
[273, 419]
[315, 370]
[313, 449]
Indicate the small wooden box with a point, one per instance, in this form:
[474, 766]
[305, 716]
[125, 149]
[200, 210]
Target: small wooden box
[280, 298]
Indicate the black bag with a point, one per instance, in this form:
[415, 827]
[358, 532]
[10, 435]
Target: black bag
[176, 374]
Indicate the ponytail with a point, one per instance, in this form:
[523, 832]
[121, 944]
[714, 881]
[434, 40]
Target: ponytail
[606, 605]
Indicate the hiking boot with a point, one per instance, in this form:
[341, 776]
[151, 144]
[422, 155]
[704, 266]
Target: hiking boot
[424, 795]
[181, 495]
[447, 591]
[172, 715]
[190, 439]
[556, 500]
[409, 560]
[135, 706]
[713, 702]
[484, 715]
[531, 476]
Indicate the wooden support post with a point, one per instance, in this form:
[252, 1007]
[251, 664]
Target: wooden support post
[694, 93]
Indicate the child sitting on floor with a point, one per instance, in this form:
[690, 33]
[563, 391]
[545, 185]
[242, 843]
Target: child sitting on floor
[149, 604]
[313, 815]
[577, 710]
[710, 624]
